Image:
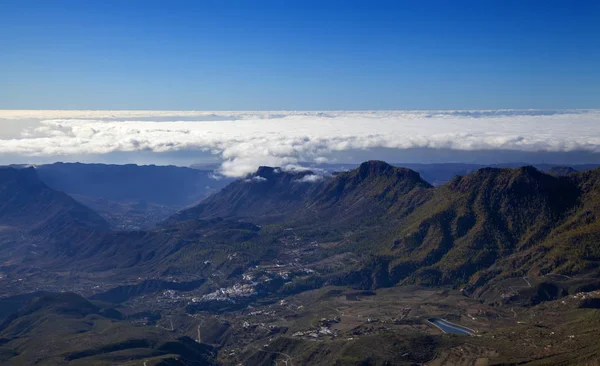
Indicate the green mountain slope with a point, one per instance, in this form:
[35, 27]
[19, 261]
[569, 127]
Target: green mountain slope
[493, 223]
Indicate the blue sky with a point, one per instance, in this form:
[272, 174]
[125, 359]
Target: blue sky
[288, 54]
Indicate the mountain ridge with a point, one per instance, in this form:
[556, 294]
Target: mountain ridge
[450, 234]
[297, 193]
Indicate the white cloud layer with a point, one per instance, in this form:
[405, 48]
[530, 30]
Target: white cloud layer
[245, 140]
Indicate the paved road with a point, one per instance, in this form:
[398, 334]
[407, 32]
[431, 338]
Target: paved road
[448, 327]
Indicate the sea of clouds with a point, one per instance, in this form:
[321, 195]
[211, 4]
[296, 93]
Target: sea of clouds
[245, 140]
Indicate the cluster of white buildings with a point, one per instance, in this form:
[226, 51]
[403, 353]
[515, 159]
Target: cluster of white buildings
[229, 293]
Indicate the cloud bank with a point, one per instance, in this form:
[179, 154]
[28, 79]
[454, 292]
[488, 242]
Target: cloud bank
[246, 140]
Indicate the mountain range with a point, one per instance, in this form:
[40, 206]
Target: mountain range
[278, 233]
[492, 223]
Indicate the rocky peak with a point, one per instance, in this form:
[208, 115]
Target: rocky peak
[374, 168]
[266, 171]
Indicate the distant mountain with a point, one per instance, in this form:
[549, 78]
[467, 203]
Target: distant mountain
[27, 204]
[131, 196]
[561, 170]
[167, 185]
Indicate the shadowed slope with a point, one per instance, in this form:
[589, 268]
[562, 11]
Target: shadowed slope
[27, 203]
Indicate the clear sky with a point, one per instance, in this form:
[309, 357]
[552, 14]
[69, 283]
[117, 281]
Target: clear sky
[288, 54]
